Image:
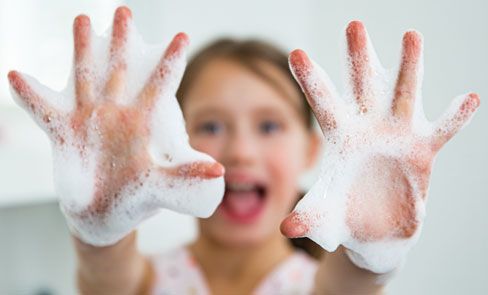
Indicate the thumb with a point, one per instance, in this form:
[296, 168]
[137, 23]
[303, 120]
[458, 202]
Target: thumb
[200, 169]
[293, 226]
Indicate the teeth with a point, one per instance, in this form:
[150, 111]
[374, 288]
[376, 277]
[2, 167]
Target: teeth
[236, 186]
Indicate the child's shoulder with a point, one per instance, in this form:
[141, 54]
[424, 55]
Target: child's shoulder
[295, 275]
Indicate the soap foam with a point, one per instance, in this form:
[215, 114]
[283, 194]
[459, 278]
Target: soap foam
[359, 138]
[76, 161]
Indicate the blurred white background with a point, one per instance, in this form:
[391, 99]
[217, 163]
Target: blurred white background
[36, 255]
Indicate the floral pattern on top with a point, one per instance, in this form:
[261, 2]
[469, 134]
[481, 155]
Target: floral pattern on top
[178, 273]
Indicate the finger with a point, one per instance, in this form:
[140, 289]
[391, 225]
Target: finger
[409, 76]
[118, 46]
[205, 170]
[28, 97]
[458, 115]
[83, 75]
[361, 62]
[167, 74]
[318, 89]
[293, 227]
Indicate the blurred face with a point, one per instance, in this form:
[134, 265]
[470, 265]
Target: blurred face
[258, 134]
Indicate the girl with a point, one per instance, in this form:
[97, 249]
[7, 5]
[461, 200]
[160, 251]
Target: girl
[243, 107]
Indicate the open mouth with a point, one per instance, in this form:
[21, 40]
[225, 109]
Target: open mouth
[243, 201]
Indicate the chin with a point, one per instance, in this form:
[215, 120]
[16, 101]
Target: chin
[227, 234]
[244, 239]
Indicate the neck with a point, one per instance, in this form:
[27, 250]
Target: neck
[239, 266]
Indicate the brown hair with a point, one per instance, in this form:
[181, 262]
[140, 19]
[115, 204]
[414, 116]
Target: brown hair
[250, 54]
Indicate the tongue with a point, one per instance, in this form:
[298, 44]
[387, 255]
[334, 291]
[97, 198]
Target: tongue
[242, 203]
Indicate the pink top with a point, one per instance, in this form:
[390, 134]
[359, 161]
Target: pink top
[177, 272]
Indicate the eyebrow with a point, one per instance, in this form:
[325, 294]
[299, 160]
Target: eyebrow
[208, 111]
[272, 111]
[212, 111]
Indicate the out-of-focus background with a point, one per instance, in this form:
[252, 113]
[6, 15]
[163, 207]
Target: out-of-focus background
[36, 255]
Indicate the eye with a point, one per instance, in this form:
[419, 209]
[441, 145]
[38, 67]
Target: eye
[210, 128]
[269, 127]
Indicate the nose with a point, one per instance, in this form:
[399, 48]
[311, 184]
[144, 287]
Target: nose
[241, 148]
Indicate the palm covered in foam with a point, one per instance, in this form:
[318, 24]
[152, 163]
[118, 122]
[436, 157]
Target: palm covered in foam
[118, 158]
[371, 193]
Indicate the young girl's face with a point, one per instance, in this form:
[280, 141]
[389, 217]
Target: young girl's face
[258, 133]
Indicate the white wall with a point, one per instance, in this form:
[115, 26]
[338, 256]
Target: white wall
[451, 256]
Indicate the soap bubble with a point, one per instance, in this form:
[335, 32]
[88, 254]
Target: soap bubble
[379, 148]
[120, 148]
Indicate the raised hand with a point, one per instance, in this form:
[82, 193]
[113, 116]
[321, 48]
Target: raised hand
[120, 147]
[371, 193]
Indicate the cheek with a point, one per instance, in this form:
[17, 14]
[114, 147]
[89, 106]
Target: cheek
[212, 147]
[285, 163]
